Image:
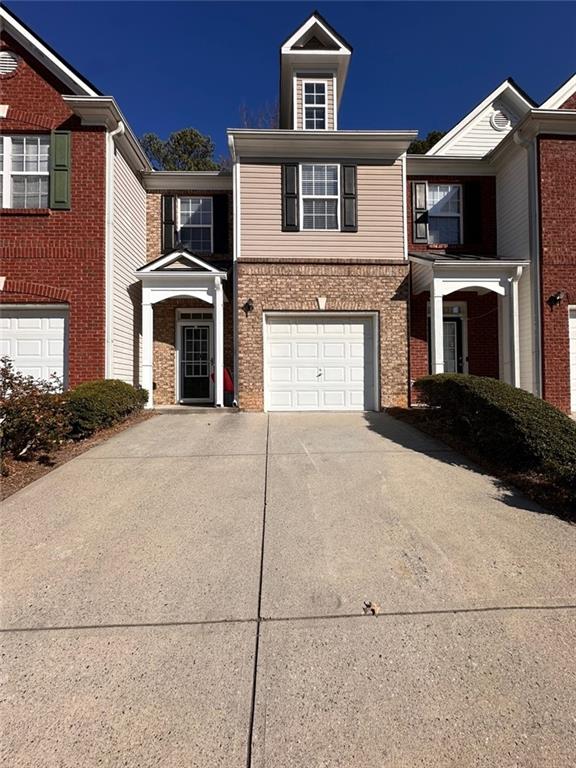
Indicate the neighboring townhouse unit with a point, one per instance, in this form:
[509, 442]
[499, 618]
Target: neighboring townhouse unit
[72, 218]
[328, 271]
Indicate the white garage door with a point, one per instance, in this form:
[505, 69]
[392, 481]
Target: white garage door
[572, 332]
[34, 339]
[319, 363]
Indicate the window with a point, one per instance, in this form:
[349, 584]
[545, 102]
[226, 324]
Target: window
[314, 106]
[320, 196]
[24, 171]
[195, 223]
[445, 213]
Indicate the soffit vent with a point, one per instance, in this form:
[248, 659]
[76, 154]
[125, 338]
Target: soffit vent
[8, 62]
[500, 121]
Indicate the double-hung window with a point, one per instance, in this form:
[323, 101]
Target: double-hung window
[315, 105]
[195, 224]
[320, 196]
[24, 171]
[445, 213]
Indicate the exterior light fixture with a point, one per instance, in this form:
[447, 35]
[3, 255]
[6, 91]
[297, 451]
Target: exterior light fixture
[248, 307]
[556, 299]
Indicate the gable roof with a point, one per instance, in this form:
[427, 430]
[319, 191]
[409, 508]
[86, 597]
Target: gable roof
[507, 93]
[179, 260]
[329, 39]
[561, 94]
[46, 55]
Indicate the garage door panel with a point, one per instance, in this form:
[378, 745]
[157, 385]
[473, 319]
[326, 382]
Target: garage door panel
[326, 363]
[34, 338]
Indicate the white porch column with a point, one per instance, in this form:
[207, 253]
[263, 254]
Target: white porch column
[514, 328]
[437, 326]
[218, 342]
[148, 351]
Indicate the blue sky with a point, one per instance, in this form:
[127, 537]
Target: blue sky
[418, 65]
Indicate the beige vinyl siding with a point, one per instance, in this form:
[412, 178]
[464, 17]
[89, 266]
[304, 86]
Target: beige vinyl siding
[513, 230]
[330, 123]
[379, 234]
[129, 253]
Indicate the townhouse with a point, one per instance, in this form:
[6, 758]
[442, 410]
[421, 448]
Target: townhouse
[327, 271]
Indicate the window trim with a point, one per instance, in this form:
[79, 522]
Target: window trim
[337, 197]
[178, 225]
[7, 173]
[446, 215]
[324, 82]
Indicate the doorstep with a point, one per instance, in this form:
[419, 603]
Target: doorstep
[193, 410]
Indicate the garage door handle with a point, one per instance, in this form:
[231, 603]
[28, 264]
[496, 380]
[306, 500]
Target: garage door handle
[319, 373]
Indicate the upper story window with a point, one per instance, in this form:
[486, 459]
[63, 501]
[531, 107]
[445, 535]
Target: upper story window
[24, 171]
[437, 210]
[195, 224]
[320, 196]
[315, 105]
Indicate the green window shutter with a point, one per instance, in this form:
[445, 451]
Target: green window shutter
[349, 218]
[60, 170]
[419, 212]
[290, 198]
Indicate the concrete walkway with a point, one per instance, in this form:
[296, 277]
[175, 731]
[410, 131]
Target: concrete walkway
[190, 594]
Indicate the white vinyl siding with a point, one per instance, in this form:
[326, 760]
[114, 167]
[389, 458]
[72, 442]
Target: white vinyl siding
[572, 336]
[481, 136]
[129, 253]
[319, 363]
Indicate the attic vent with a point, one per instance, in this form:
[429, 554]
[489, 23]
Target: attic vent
[8, 62]
[500, 121]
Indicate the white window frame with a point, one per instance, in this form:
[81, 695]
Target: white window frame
[6, 174]
[324, 82]
[446, 215]
[203, 226]
[336, 197]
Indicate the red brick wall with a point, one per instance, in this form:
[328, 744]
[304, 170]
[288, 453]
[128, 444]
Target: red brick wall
[570, 103]
[487, 244]
[557, 175]
[482, 324]
[58, 256]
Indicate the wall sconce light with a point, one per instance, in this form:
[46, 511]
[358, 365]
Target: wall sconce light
[555, 299]
[248, 307]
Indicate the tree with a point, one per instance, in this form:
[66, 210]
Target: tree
[266, 115]
[421, 146]
[184, 150]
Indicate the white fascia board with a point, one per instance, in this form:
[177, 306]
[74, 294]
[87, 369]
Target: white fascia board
[47, 57]
[563, 93]
[193, 181]
[464, 264]
[552, 121]
[103, 110]
[312, 21]
[461, 127]
[156, 267]
[447, 165]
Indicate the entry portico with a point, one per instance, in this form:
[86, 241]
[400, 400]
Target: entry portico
[442, 274]
[183, 275]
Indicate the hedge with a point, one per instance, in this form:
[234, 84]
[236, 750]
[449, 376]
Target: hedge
[102, 403]
[504, 424]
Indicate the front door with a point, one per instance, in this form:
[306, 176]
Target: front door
[196, 383]
[453, 346]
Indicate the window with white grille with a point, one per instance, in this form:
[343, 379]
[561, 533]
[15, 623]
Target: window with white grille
[315, 105]
[24, 171]
[444, 213]
[195, 224]
[320, 196]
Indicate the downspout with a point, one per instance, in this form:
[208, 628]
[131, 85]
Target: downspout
[235, 254]
[534, 238]
[109, 249]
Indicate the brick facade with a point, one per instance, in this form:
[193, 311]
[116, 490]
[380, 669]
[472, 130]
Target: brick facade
[58, 256]
[482, 331]
[557, 176]
[382, 288]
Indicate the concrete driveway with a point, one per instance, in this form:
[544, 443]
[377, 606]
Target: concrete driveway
[190, 593]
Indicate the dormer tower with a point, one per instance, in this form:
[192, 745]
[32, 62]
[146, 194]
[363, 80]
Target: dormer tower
[313, 67]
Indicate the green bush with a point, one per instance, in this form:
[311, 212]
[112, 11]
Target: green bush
[98, 404]
[34, 418]
[504, 424]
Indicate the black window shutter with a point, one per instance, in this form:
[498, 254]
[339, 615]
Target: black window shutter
[419, 212]
[349, 221]
[290, 197]
[472, 212]
[220, 224]
[168, 223]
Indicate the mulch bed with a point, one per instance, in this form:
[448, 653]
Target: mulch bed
[537, 487]
[21, 473]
